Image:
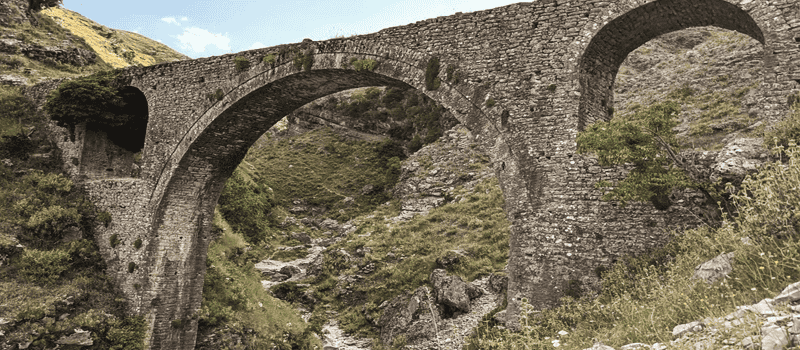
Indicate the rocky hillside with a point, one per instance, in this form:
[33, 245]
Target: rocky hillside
[56, 43]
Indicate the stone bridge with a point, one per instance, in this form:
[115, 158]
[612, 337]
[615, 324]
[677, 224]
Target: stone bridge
[530, 76]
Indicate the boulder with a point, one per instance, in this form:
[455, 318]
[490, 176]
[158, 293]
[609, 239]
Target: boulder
[450, 291]
[79, 338]
[738, 158]
[715, 269]
[773, 337]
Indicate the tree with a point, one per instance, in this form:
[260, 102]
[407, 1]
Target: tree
[646, 140]
[100, 101]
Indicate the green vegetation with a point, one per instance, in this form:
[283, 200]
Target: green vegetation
[453, 76]
[490, 103]
[551, 88]
[304, 60]
[103, 102]
[104, 217]
[766, 245]
[647, 140]
[114, 240]
[788, 129]
[217, 95]
[270, 59]
[320, 168]
[365, 64]
[246, 205]
[432, 81]
[404, 254]
[233, 297]
[241, 63]
[54, 281]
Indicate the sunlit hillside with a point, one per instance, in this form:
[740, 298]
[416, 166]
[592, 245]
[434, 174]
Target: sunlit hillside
[118, 48]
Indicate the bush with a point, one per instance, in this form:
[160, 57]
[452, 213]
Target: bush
[432, 81]
[103, 102]
[43, 266]
[104, 218]
[787, 129]
[365, 64]
[270, 59]
[216, 95]
[241, 63]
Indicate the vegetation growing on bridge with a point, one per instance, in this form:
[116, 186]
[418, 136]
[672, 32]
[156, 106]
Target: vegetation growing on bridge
[241, 63]
[432, 81]
[102, 102]
[367, 64]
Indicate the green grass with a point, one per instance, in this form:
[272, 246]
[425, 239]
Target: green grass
[643, 298]
[322, 169]
[234, 300]
[405, 253]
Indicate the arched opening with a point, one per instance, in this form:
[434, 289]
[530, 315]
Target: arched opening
[601, 60]
[713, 74]
[182, 220]
[110, 146]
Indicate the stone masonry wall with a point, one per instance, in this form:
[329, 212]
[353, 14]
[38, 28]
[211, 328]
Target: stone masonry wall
[532, 75]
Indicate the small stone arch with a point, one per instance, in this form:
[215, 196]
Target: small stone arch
[600, 62]
[109, 150]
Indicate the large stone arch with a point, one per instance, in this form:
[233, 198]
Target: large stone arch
[190, 181]
[608, 48]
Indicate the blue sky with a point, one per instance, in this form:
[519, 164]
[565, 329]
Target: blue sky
[200, 28]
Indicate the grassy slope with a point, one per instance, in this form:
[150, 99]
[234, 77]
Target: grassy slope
[112, 44]
[50, 287]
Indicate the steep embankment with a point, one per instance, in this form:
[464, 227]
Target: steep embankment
[57, 43]
[116, 47]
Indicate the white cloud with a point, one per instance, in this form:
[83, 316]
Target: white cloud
[184, 19]
[171, 20]
[197, 39]
[257, 45]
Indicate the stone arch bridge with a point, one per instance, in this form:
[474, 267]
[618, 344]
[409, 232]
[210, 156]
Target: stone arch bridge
[548, 66]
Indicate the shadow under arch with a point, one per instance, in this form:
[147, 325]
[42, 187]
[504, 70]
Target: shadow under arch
[186, 193]
[131, 136]
[600, 62]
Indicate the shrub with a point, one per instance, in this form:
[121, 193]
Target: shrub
[304, 60]
[270, 59]
[490, 103]
[551, 88]
[432, 81]
[216, 95]
[104, 218]
[241, 63]
[365, 64]
[114, 240]
[131, 267]
[44, 266]
[787, 129]
[138, 243]
[102, 101]
[51, 221]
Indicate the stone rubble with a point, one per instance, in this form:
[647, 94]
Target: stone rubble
[777, 322]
